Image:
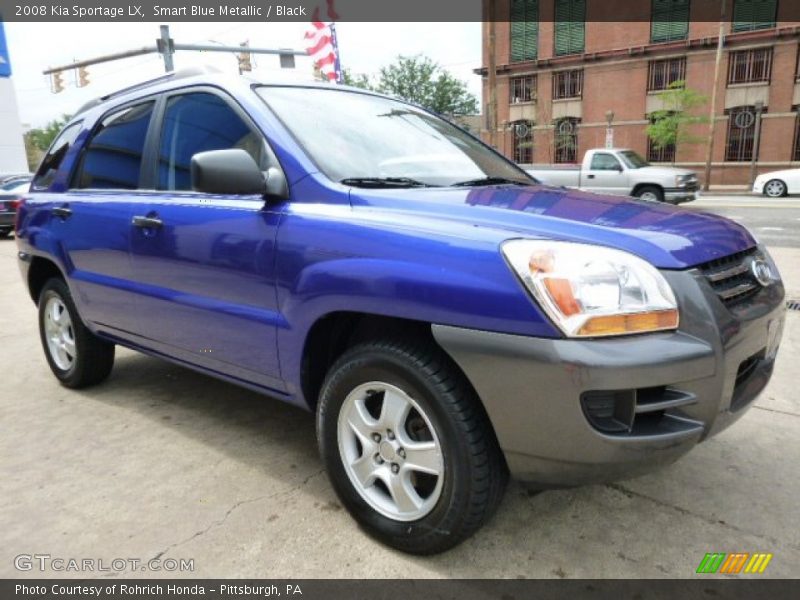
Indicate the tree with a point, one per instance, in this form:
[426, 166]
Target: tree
[672, 125]
[42, 138]
[420, 80]
[358, 80]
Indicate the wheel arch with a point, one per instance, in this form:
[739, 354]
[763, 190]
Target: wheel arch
[40, 270]
[333, 333]
[640, 186]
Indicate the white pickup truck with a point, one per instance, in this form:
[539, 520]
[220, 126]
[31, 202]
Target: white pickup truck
[622, 172]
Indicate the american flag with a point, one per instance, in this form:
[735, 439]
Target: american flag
[322, 44]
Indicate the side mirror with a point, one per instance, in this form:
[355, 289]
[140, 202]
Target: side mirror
[234, 171]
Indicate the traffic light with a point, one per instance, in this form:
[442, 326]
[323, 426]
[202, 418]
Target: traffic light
[57, 82]
[83, 77]
[244, 59]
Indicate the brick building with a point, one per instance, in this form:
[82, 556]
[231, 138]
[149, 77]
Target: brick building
[563, 65]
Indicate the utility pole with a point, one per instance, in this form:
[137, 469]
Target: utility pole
[166, 46]
[491, 107]
[756, 142]
[712, 116]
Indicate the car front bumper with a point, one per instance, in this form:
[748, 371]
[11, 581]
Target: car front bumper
[686, 385]
[680, 195]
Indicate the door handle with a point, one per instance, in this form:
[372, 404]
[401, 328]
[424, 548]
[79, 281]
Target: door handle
[147, 222]
[590, 177]
[62, 212]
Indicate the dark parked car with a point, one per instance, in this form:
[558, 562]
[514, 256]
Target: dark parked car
[10, 196]
[448, 319]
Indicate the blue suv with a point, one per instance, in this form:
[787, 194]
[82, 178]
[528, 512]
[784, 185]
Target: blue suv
[448, 319]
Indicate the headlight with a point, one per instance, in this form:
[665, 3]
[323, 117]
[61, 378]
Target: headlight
[682, 180]
[593, 290]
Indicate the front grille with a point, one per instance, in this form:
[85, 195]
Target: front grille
[732, 277]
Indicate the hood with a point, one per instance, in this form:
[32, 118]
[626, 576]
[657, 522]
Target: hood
[668, 237]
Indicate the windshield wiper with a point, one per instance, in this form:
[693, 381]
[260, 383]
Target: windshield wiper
[379, 182]
[489, 181]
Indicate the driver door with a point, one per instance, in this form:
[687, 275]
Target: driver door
[606, 175]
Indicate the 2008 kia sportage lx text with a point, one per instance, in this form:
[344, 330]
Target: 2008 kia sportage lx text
[448, 319]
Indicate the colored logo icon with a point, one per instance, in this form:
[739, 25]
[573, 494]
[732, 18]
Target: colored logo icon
[734, 563]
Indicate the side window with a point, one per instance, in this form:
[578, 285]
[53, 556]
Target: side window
[55, 156]
[113, 156]
[604, 162]
[200, 122]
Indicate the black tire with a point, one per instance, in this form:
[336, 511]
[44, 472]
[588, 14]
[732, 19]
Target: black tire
[4, 233]
[474, 470]
[94, 358]
[650, 190]
[775, 188]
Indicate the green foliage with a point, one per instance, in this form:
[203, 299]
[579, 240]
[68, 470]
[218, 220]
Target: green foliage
[358, 80]
[41, 138]
[672, 124]
[420, 80]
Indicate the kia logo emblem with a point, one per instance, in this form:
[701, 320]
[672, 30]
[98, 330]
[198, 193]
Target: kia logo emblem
[762, 271]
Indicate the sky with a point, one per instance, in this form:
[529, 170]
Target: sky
[364, 48]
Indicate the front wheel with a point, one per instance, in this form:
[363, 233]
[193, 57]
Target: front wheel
[775, 188]
[408, 447]
[76, 356]
[650, 193]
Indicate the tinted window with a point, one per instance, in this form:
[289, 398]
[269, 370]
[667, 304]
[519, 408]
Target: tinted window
[55, 156]
[604, 162]
[197, 123]
[113, 157]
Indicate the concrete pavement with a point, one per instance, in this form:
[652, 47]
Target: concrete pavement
[162, 462]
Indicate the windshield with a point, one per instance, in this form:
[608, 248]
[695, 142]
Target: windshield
[363, 139]
[633, 160]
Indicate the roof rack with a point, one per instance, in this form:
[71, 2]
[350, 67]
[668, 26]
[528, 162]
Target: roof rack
[181, 74]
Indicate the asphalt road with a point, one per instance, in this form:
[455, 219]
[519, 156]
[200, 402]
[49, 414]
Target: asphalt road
[160, 462]
[775, 222]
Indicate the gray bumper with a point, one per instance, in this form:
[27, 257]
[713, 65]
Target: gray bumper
[680, 195]
[532, 387]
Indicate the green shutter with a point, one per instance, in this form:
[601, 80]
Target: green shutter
[524, 29]
[749, 15]
[669, 21]
[570, 27]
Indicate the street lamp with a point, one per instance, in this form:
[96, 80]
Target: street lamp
[609, 129]
[759, 106]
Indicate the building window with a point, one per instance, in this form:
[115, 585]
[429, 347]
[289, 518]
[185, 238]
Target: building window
[750, 66]
[570, 27]
[750, 15]
[523, 141]
[662, 154]
[797, 66]
[566, 140]
[663, 73]
[568, 84]
[524, 30]
[522, 89]
[741, 134]
[796, 152]
[670, 20]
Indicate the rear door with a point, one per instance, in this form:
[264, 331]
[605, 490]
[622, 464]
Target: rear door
[606, 175]
[91, 219]
[204, 264]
